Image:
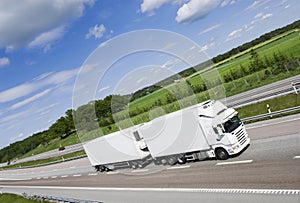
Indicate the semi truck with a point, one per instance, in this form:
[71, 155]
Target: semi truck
[117, 150]
[206, 130]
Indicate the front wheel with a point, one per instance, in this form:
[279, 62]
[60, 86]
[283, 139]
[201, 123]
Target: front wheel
[221, 154]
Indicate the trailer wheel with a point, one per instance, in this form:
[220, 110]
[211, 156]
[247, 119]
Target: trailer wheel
[157, 162]
[181, 160]
[140, 165]
[99, 168]
[221, 154]
[172, 160]
[163, 161]
[133, 165]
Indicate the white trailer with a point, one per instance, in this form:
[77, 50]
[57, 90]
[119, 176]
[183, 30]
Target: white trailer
[116, 150]
[206, 130]
[209, 129]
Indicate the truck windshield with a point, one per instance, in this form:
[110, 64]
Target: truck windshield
[232, 124]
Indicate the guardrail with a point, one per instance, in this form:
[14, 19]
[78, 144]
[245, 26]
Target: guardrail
[296, 86]
[297, 108]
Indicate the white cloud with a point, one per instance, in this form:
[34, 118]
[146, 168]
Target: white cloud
[257, 4]
[103, 89]
[97, 31]
[210, 29]
[103, 44]
[287, 6]
[238, 33]
[18, 115]
[45, 39]
[29, 100]
[150, 5]
[234, 34]
[260, 17]
[226, 2]
[54, 79]
[17, 137]
[4, 61]
[195, 9]
[142, 79]
[208, 46]
[23, 22]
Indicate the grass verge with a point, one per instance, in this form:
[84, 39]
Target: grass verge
[6, 198]
[276, 104]
[43, 162]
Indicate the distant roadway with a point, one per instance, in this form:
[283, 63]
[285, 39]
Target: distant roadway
[255, 95]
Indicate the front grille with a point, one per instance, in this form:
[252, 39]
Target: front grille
[241, 136]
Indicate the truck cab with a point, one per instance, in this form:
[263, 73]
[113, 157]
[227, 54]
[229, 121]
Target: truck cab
[228, 135]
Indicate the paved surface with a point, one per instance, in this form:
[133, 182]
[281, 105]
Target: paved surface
[258, 94]
[250, 96]
[172, 195]
[272, 161]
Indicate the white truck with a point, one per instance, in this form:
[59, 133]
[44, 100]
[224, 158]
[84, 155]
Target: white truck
[117, 150]
[206, 130]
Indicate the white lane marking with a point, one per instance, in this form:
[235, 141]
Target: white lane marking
[268, 124]
[193, 190]
[112, 172]
[64, 176]
[16, 179]
[234, 162]
[178, 167]
[73, 167]
[53, 177]
[38, 178]
[92, 174]
[296, 157]
[45, 177]
[139, 170]
[77, 175]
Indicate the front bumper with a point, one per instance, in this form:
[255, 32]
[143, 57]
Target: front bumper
[237, 148]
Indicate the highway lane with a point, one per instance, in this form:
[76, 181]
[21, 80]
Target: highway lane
[260, 93]
[236, 100]
[269, 162]
[165, 195]
[272, 161]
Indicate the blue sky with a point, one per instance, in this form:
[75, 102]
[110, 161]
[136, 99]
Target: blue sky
[43, 44]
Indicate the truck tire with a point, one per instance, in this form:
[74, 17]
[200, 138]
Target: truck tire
[172, 160]
[133, 165]
[221, 154]
[181, 160]
[140, 165]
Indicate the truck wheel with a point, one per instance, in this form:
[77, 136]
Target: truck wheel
[172, 160]
[140, 165]
[221, 154]
[157, 162]
[181, 160]
[163, 161]
[133, 165]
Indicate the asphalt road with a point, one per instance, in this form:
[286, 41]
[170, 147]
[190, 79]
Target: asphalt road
[261, 93]
[272, 161]
[244, 98]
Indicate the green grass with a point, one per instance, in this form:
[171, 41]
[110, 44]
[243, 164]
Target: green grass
[287, 43]
[259, 108]
[275, 104]
[54, 144]
[12, 198]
